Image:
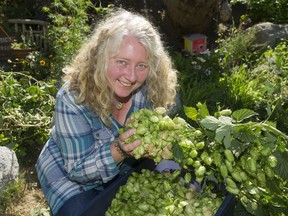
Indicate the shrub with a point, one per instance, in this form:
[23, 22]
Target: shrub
[27, 107]
[69, 28]
[266, 10]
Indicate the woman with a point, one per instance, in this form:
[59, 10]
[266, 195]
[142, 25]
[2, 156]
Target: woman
[122, 68]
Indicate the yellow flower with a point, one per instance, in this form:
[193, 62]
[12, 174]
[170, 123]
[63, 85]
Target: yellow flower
[42, 62]
[69, 21]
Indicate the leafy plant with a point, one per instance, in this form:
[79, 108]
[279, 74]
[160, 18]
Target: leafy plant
[237, 49]
[266, 10]
[261, 86]
[241, 91]
[234, 149]
[24, 43]
[69, 28]
[37, 64]
[15, 9]
[25, 114]
[10, 194]
[247, 155]
[198, 79]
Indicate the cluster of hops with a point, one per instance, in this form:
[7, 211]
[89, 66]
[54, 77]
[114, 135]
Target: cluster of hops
[154, 193]
[247, 176]
[243, 156]
[194, 154]
[227, 148]
[157, 133]
[163, 137]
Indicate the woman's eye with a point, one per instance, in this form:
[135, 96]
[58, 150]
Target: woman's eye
[142, 66]
[121, 62]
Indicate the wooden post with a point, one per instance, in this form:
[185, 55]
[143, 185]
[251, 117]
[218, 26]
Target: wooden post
[5, 45]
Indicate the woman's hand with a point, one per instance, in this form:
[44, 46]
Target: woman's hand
[128, 147]
[119, 149]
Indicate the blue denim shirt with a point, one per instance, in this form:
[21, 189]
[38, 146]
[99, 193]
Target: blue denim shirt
[77, 156]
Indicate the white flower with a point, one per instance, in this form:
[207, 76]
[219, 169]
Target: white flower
[201, 59]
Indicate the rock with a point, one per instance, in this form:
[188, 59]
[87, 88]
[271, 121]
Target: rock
[177, 18]
[9, 166]
[268, 34]
[190, 16]
[225, 11]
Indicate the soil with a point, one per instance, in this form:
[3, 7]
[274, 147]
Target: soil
[32, 200]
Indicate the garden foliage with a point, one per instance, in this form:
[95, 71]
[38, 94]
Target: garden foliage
[26, 112]
[234, 75]
[266, 10]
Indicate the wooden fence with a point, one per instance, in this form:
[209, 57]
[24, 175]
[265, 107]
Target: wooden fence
[36, 30]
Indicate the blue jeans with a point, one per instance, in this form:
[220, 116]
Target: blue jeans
[88, 202]
[77, 204]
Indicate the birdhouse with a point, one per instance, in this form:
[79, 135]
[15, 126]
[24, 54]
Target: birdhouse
[195, 43]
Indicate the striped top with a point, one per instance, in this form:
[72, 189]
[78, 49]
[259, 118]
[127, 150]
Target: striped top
[77, 156]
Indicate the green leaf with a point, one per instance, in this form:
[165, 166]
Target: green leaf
[281, 144]
[278, 202]
[191, 112]
[244, 134]
[260, 211]
[202, 110]
[240, 115]
[210, 123]
[207, 179]
[33, 90]
[273, 186]
[270, 138]
[225, 120]
[212, 177]
[282, 164]
[272, 124]
[250, 209]
[177, 151]
[238, 147]
[279, 60]
[224, 133]
[239, 209]
[269, 110]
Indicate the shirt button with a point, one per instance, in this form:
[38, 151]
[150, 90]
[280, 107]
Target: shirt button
[82, 188]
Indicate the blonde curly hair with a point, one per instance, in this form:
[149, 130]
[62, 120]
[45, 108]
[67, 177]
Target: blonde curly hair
[88, 71]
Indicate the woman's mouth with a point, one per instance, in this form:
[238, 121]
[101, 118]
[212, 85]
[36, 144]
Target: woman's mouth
[126, 84]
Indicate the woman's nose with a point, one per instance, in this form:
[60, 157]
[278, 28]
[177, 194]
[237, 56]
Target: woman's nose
[130, 73]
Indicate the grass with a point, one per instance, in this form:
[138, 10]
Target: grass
[24, 197]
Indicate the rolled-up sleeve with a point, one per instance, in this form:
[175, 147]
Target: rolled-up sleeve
[84, 143]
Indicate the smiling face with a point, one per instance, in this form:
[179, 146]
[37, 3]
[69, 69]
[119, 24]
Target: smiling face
[128, 69]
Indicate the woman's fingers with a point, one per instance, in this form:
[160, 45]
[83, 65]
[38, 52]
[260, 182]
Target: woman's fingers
[128, 147]
[127, 134]
[131, 146]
